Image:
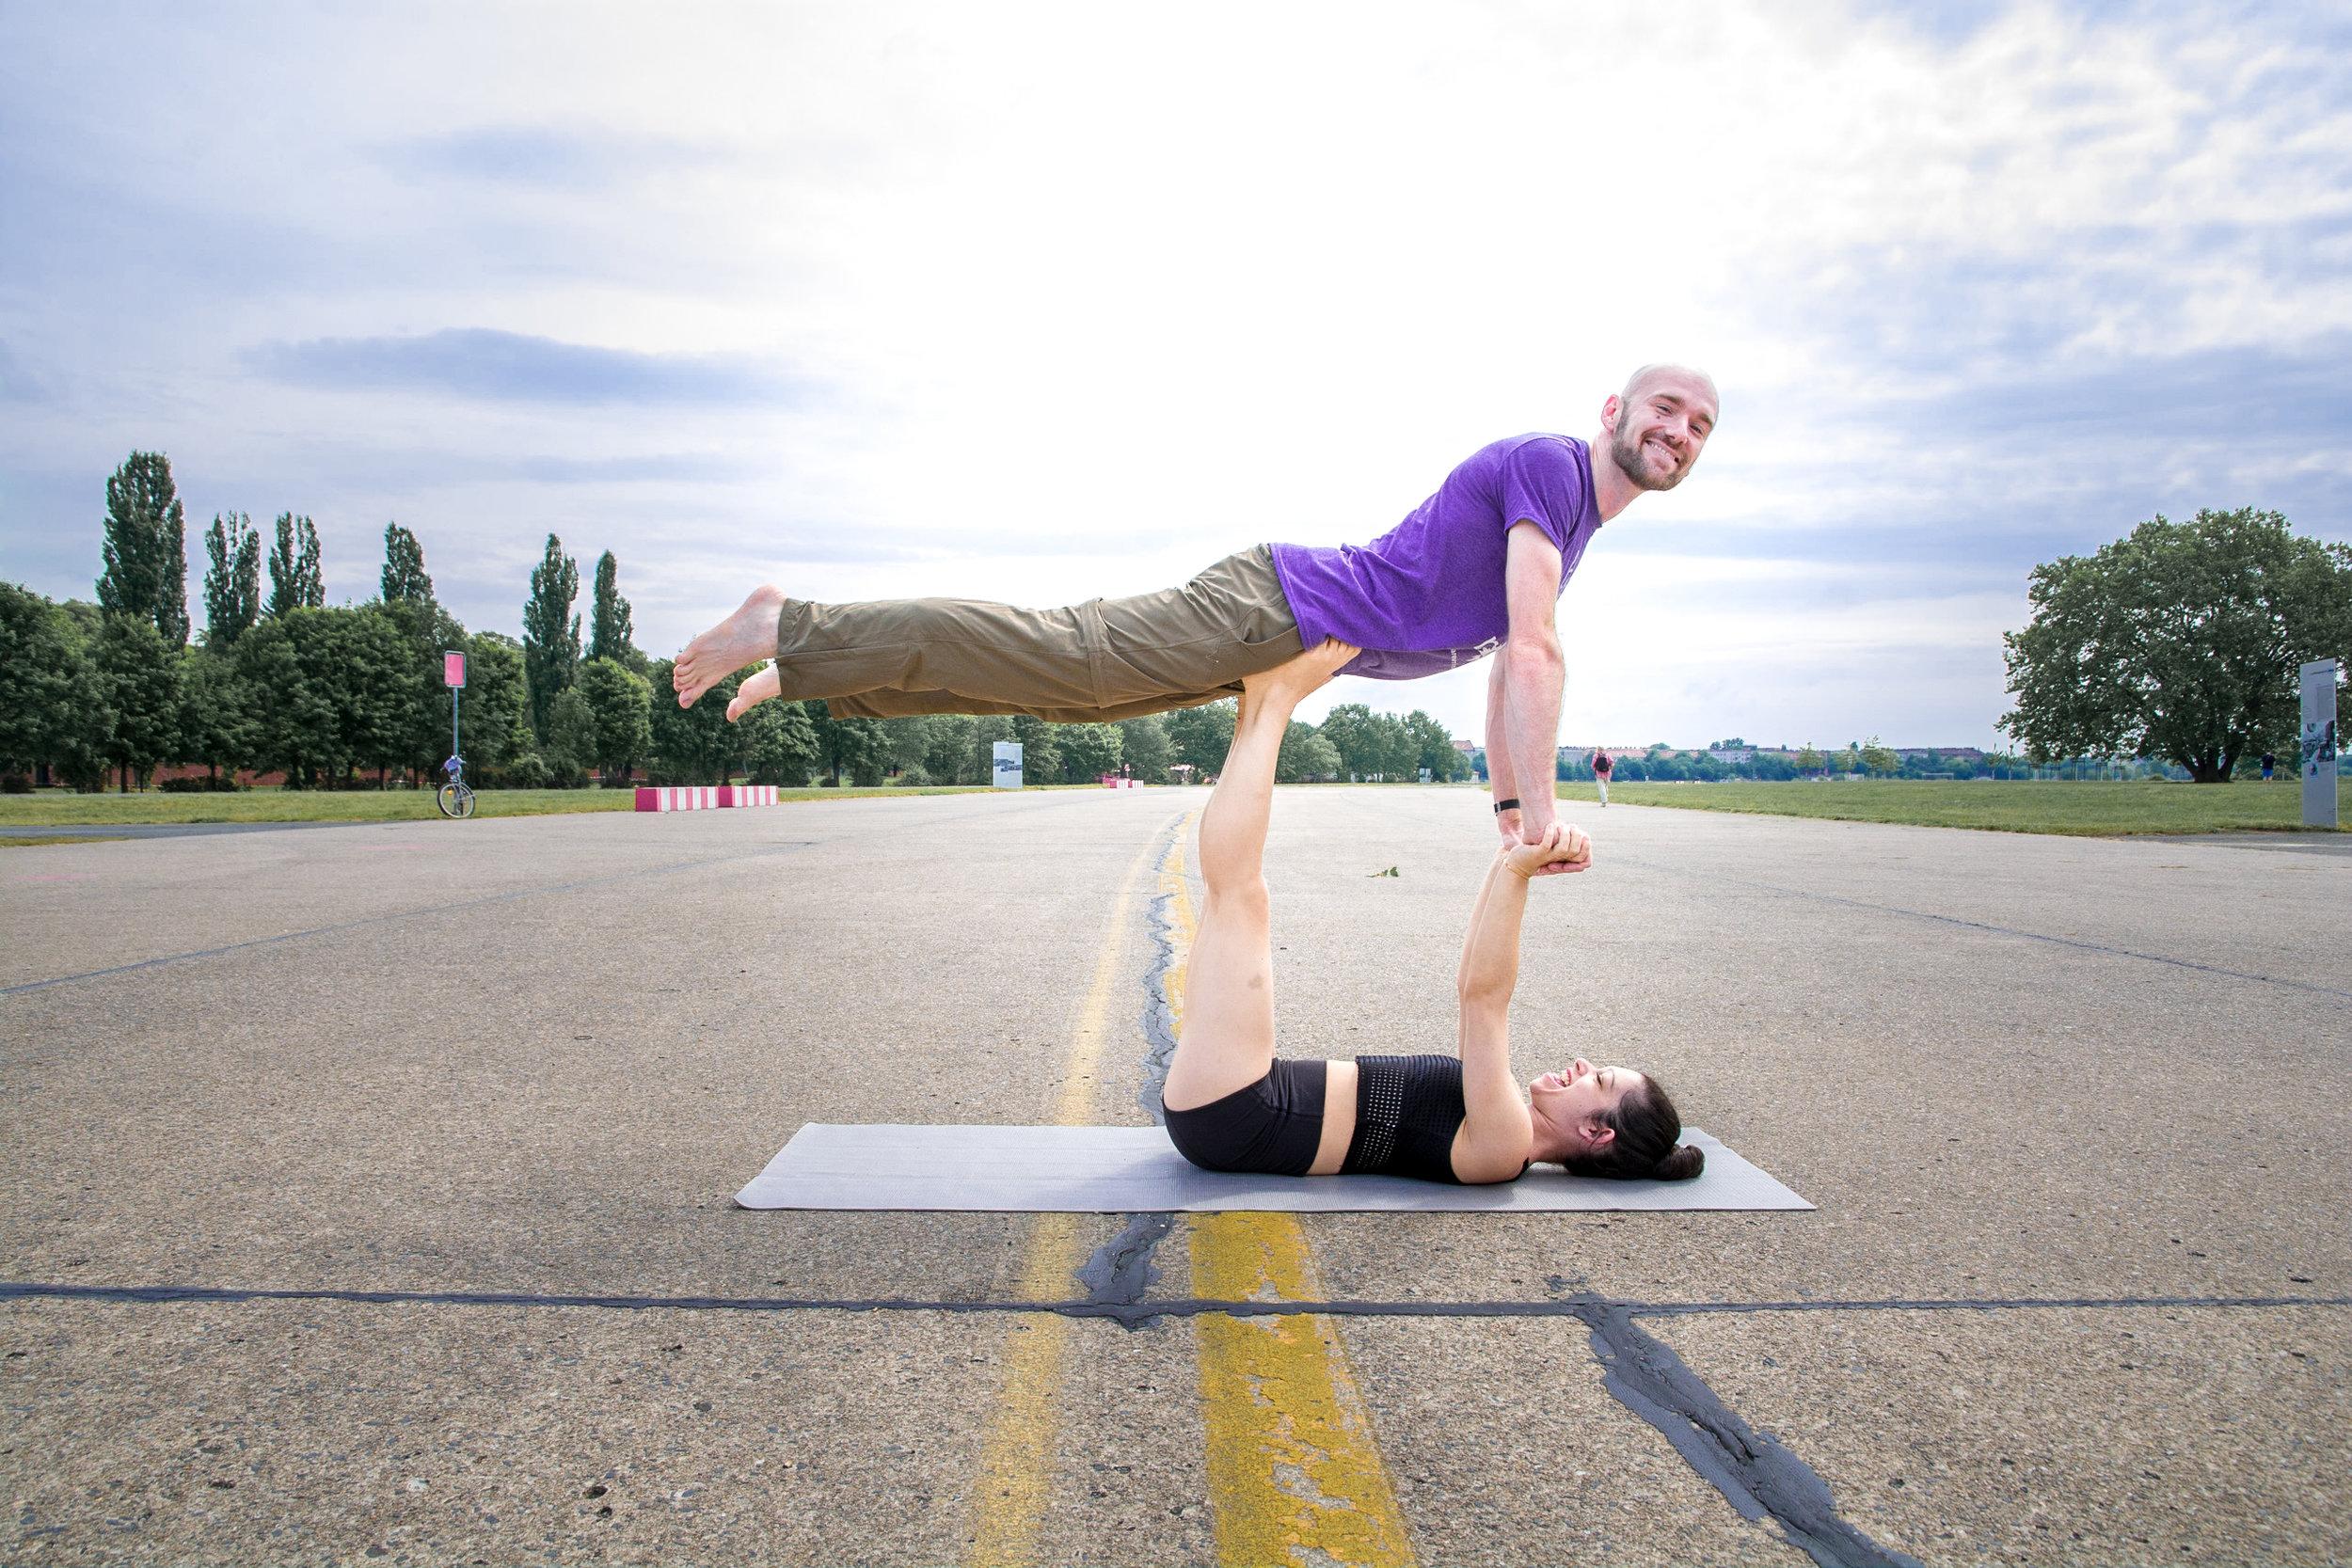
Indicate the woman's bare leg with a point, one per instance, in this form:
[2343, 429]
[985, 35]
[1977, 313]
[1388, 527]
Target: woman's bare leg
[1227, 1041]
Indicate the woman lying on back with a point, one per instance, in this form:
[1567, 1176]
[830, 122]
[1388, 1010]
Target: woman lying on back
[1232, 1106]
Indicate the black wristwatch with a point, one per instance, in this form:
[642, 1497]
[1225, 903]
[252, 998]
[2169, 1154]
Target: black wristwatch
[1502, 806]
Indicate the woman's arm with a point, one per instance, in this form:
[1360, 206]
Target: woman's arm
[1496, 1133]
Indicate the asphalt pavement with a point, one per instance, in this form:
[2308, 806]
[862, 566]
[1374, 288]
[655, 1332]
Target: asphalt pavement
[367, 1199]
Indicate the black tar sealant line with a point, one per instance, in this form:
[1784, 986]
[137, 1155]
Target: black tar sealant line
[1121, 1271]
[2076, 943]
[1128, 1312]
[1755, 1475]
[405, 914]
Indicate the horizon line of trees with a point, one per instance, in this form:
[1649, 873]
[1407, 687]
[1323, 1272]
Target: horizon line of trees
[343, 696]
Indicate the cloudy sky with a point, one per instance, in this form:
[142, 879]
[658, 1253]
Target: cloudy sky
[1040, 302]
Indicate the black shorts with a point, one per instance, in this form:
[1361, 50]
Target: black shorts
[1272, 1127]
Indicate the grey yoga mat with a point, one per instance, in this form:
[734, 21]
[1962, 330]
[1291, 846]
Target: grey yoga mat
[1133, 1170]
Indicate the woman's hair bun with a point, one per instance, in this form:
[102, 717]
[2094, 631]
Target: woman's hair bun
[1683, 1162]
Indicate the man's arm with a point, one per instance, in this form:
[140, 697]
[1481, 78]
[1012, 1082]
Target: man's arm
[1500, 778]
[1528, 672]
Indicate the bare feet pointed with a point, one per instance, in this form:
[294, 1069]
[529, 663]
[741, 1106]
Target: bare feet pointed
[744, 638]
[755, 691]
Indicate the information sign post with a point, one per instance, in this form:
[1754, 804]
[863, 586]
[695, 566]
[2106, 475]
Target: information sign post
[454, 676]
[1008, 765]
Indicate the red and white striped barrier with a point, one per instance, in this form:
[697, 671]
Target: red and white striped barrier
[703, 796]
[1112, 781]
[677, 798]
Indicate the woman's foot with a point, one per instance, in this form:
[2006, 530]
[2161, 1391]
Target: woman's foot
[744, 638]
[1310, 672]
[756, 690]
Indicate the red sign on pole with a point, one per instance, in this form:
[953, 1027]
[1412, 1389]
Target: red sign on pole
[453, 670]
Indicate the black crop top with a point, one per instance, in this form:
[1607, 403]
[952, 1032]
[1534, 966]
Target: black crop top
[1407, 1109]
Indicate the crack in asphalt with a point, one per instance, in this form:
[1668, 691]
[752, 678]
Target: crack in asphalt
[1757, 1475]
[1121, 1269]
[1142, 1310]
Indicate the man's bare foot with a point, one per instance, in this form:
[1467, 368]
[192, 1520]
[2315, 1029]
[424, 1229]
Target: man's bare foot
[756, 689]
[1310, 672]
[744, 638]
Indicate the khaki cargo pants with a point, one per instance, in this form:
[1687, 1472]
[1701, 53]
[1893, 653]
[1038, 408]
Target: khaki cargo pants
[1091, 662]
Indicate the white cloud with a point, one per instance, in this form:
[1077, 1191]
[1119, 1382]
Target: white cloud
[1095, 296]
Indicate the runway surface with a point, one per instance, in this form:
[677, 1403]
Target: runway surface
[367, 1199]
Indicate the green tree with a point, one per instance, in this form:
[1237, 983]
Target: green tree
[52, 709]
[367, 661]
[610, 633]
[1143, 746]
[1041, 750]
[2179, 641]
[858, 749]
[428, 631]
[620, 704]
[1349, 729]
[948, 757]
[550, 632]
[494, 715]
[908, 741]
[693, 745]
[87, 726]
[1088, 751]
[145, 547]
[404, 579]
[297, 578]
[294, 723]
[1434, 749]
[1879, 759]
[1305, 755]
[1200, 737]
[779, 744]
[232, 579]
[571, 740]
[216, 723]
[1808, 760]
[139, 669]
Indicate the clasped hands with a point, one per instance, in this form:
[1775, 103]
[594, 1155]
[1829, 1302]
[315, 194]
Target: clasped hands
[1564, 848]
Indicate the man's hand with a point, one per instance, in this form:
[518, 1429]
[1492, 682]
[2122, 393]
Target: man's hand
[1563, 849]
[1508, 822]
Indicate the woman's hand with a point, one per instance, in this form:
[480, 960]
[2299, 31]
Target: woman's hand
[1564, 848]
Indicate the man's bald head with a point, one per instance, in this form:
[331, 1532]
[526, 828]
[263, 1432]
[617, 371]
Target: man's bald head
[1656, 426]
[1686, 376]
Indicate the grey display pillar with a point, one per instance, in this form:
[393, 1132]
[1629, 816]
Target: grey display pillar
[2315, 757]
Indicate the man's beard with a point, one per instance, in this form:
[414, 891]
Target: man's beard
[1628, 457]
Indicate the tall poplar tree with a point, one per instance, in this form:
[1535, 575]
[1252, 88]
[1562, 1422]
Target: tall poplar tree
[550, 632]
[610, 634]
[297, 580]
[146, 549]
[232, 579]
[404, 577]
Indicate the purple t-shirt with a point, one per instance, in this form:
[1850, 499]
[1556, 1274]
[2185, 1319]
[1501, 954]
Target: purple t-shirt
[1429, 594]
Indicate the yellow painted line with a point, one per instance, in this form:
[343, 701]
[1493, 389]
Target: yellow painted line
[1294, 1470]
[1016, 1470]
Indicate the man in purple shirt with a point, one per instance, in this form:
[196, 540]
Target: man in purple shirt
[1477, 569]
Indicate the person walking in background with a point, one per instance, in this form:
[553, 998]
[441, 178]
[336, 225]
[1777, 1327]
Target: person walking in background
[1601, 766]
[2269, 761]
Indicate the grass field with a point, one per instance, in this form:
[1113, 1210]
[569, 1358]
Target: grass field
[59, 808]
[2096, 809]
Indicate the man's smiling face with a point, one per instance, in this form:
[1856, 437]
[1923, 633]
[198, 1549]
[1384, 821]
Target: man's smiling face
[1659, 425]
